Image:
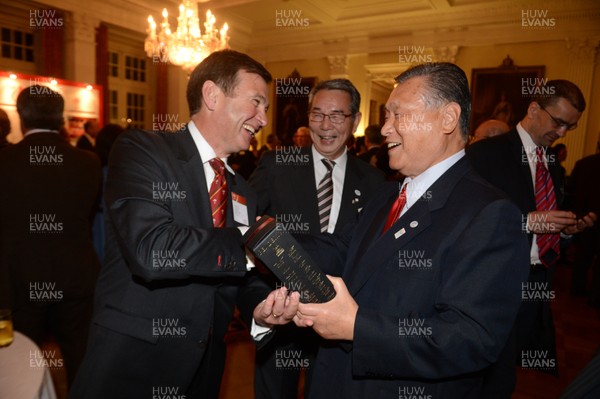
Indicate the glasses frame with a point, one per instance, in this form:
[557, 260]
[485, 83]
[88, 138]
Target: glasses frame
[559, 124]
[311, 115]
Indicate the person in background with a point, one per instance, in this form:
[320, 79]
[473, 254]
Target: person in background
[87, 141]
[560, 152]
[271, 144]
[377, 154]
[490, 128]
[519, 164]
[314, 189]
[4, 129]
[302, 137]
[104, 142]
[584, 185]
[47, 202]
[373, 140]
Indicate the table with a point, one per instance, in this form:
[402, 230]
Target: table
[24, 372]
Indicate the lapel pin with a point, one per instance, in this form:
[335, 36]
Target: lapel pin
[414, 224]
[399, 233]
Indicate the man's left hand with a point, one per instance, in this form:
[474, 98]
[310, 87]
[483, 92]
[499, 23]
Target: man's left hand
[277, 309]
[331, 320]
[583, 223]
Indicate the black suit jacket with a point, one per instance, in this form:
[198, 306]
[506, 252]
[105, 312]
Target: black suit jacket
[437, 293]
[47, 202]
[502, 161]
[585, 186]
[84, 143]
[370, 153]
[165, 266]
[286, 187]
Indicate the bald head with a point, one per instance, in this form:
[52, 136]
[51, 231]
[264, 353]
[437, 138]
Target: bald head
[490, 128]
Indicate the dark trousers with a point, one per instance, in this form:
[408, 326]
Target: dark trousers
[68, 320]
[500, 378]
[586, 247]
[533, 330]
[279, 363]
[535, 325]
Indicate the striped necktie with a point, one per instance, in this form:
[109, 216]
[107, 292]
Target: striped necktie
[325, 195]
[545, 199]
[218, 193]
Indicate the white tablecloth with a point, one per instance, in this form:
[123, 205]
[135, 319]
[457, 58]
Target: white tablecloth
[20, 378]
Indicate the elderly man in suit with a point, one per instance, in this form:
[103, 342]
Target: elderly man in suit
[426, 266]
[518, 164]
[311, 190]
[175, 264]
[47, 204]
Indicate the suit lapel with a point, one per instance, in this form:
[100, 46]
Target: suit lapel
[351, 200]
[524, 172]
[302, 180]
[380, 251]
[192, 173]
[377, 249]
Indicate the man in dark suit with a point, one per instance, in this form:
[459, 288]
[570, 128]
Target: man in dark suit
[373, 140]
[47, 203]
[175, 264]
[287, 181]
[584, 185]
[87, 141]
[431, 272]
[517, 164]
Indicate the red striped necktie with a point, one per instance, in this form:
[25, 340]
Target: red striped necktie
[396, 209]
[218, 193]
[545, 199]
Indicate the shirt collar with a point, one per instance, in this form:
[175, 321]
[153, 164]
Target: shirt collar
[206, 151]
[340, 162]
[526, 139]
[33, 131]
[418, 186]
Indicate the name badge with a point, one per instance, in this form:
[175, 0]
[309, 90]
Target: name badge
[240, 209]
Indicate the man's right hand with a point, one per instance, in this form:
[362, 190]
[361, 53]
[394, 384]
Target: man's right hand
[554, 221]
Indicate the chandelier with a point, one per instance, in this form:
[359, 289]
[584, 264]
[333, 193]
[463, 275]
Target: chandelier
[187, 46]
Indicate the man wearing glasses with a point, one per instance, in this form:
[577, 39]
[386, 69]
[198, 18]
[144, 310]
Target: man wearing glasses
[519, 164]
[311, 190]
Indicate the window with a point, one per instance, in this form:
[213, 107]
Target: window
[17, 45]
[113, 64]
[135, 68]
[135, 110]
[113, 104]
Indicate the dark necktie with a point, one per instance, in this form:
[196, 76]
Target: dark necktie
[545, 199]
[325, 195]
[396, 210]
[218, 193]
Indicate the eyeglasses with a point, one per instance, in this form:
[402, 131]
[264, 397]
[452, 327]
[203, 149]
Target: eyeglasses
[336, 118]
[560, 124]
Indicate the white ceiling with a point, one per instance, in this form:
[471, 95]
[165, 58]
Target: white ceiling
[337, 27]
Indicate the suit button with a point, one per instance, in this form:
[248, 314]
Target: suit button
[201, 343]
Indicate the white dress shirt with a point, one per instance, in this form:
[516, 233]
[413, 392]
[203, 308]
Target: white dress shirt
[418, 186]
